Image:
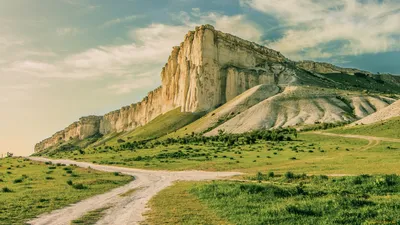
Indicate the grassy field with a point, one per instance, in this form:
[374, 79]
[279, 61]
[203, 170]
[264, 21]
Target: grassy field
[311, 153]
[285, 199]
[176, 205]
[28, 189]
[389, 128]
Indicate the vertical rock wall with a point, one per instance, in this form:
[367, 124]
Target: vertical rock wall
[206, 70]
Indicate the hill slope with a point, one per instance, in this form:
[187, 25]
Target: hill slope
[386, 113]
[301, 105]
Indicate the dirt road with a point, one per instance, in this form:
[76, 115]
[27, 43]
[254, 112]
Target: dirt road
[123, 210]
[370, 138]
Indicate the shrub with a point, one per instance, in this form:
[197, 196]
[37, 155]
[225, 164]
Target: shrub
[6, 190]
[79, 186]
[19, 180]
[49, 178]
[289, 175]
[271, 174]
[69, 182]
[116, 174]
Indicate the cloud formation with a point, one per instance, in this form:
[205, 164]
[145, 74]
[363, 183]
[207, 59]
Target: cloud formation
[68, 31]
[127, 64]
[119, 20]
[322, 29]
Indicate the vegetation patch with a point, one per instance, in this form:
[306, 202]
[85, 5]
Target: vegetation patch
[91, 217]
[291, 198]
[29, 188]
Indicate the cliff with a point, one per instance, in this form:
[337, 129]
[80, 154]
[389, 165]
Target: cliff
[208, 69]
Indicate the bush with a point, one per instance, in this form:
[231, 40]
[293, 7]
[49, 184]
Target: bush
[69, 182]
[19, 180]
[121, 141]
[289, 175]
[79, 186]
[49, 178]
[6, 190]
[271, 174]
[116, 173]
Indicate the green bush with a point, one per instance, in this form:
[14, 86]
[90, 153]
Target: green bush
[79, 186]
[6, 190]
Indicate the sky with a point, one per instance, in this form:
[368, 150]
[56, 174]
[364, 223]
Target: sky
[64, 59]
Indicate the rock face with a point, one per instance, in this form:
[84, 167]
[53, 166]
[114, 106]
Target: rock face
[84, 128]
[318, 67]
[208, 69]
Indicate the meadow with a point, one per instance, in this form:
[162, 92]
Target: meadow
[389, 128]
[287, 198]
[288, 177]
[28, 188]
[310, 153]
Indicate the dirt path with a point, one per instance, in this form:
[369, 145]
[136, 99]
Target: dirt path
[369, 138]
[123, 210]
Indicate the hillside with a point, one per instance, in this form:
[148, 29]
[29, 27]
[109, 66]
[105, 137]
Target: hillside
[303, 105]
[386, 113]
[210, 72]
[387, 128]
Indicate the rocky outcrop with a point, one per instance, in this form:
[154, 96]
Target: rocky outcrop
[84, 128]
[208, 69]
[319, 67]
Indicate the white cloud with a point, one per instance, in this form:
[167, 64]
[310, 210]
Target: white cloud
[369, 26]
[68, 31]
[135, 65]
[130, 84]
[119, 20]
[237, 25]
[10, 41]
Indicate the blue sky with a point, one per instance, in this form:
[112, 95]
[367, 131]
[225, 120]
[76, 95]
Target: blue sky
[62, 59]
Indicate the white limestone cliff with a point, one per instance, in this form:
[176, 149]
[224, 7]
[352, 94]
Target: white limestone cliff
[206, 70]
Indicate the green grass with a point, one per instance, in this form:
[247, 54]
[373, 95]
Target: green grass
[90, 218]
[285, 200]
[131, 192]
[389, 128]
[161, 125]
[314, 154]
[43, 187]
[176, 205]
